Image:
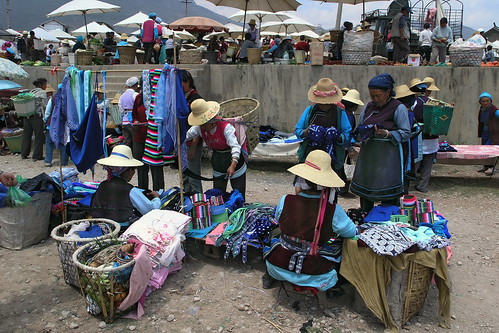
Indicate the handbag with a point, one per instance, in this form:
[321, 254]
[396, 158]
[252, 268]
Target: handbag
[349, 169]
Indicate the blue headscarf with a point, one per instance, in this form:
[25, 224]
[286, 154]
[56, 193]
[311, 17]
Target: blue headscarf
[151, 15]
[485, 94]
[79, 39]
[382, 81]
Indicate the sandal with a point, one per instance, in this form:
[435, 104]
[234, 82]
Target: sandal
[483, 169]
[489, 172]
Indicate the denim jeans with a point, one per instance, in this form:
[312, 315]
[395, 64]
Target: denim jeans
[49, 149]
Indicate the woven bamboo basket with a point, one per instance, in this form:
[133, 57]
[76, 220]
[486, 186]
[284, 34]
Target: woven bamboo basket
[466, 58]
[247, 108]
[356, 57]
[84, 58]
[190, 56]
[127, 54]
[418, 283]
[141, 56]
[25, 107]
[106, 286]
[66, 246]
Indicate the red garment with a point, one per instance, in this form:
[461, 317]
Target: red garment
[139, 114]
[223, 47]
[302, 46]
[148, 31]
[216, 140]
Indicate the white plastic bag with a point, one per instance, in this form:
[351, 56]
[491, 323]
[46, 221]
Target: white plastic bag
[358, 41]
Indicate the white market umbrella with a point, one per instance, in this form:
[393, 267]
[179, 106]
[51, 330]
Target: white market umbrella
[133, 21]
[13, 32]
[61, 34]
[288, 26]
[268, 33]
[11, 70]
[46, 36]
[93, 28]
[232, 28]
[348, 2]
[307, 33]
[260, 5]
[79, 7]
[260, 16]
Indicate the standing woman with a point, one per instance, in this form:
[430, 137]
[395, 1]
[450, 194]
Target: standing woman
[227, 160]
[488, 126]
[34, 123]
[384, 124]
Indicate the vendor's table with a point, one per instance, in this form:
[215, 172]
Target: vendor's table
[373, 277]
[470, 155]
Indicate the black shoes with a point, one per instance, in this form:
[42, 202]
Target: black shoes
[267, 281]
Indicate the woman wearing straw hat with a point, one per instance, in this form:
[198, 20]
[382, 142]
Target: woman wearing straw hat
[115, 198]
[431, 88]
[383, 127]
[219, 135]
[307, 221]
[324, 125]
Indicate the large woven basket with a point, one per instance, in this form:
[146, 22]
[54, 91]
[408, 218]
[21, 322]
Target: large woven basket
[418, 283]
[127, 54]
[106, 286]
[247, 108]
[437, 119]
[466, 58]
[24, 107]
[66, 246]
[115, 113]
[84, 58]
[190, 56]
[356, 57]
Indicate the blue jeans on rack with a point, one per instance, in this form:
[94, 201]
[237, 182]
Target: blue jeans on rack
[49, 149]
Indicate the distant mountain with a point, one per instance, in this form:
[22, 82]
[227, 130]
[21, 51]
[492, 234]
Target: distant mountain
[467, 32]
[28, 14]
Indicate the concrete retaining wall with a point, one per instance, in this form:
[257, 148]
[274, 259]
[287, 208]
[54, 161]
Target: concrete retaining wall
[282, 89]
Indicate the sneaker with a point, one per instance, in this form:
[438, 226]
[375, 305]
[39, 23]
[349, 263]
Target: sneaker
[48, 165]
[483, 169]
[422, 190]
[267, 281]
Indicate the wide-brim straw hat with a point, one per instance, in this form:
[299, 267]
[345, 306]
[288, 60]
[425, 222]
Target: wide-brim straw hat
[99, 90]
[49, 88]
[317, 169]
[416, 82]
[325, 91]
[403, 91]
[116, 99]
[432, 86]
[353, 96]
[344, 90]
[124, 36]
[252, 22]
[121, 156]
[202, 112]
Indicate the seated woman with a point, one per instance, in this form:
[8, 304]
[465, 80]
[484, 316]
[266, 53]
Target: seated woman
[227, 160]
[307, 222]
[115, 198]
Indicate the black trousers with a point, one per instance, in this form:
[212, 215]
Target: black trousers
[148, 48]
[33, 124]
[158, 178]
[425, 52]
[238, 183]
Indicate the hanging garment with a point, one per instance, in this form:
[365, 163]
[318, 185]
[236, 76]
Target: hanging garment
[86, 142]
[64, 113]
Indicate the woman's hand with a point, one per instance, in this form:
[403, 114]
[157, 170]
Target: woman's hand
[153, 194]
[232, 169]
[381, 132]
[8, 179]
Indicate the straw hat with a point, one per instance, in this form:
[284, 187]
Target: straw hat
[353, 96]
[403, 91]
[317, 169]
[431, 81]
[124, 36]
[49, 88]
[416, 82]
[116, 99]
[325, 92]
[65, 41]
[99, 89]
[121, 156]
[344, 90]
[252, 22]
[202, 112]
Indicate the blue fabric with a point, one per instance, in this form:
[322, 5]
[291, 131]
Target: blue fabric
[485, 94]
[79, 39]
[86, 142]
[382, 81]
[200, 233]
[86, 201]
[141, 202]
[235, 201]
[382, 213]
[92, 232]
[3, 194]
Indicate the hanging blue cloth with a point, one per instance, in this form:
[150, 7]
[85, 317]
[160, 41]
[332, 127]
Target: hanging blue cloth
[86, 142]
[64, 113]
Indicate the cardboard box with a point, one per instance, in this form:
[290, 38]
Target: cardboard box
[317, 53]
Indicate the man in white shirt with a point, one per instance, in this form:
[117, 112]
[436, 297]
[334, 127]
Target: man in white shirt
[425, 43]
[126, 106]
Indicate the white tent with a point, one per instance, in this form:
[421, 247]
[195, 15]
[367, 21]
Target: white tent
[14, 32]
[61, 34]
[133, 21]
[44, 35]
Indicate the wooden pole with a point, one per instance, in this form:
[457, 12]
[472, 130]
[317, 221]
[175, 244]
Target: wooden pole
[179, 144]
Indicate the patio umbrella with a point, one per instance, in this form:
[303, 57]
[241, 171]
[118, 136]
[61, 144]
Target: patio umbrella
[93, 28]
[261, 5]
[307, 33]
[14, 32]
[11, 70]
[133, 21]
[350, 2]
[233, 28]
[288, 26]
[44, 35]
[197, 24]
[6, 84]
[61, 34]
[78, 7]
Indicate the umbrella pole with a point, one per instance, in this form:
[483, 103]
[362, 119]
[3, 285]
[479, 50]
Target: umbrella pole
[86, 28]
[179, 145]
[244, 20]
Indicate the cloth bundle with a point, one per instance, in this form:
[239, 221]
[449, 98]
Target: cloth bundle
[409, 207]
[200, 213]
[425, 211]
[325, 138]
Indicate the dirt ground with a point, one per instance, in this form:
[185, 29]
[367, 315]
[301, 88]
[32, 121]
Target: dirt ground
[210, 295]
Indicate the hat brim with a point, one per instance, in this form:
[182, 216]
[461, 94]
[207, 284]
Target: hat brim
[352, 100]
[116, 161]
[198, 120]
[405, 94]
[324, 100]
[433, 88]
[327, 178]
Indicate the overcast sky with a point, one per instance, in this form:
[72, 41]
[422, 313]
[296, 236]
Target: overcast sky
[477, 13]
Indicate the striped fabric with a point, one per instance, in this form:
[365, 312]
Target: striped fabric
[153, 155]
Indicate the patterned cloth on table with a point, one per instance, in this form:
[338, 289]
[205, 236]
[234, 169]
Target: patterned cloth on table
[152, 154]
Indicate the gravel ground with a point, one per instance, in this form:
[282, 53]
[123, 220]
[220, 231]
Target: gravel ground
[210, 295]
